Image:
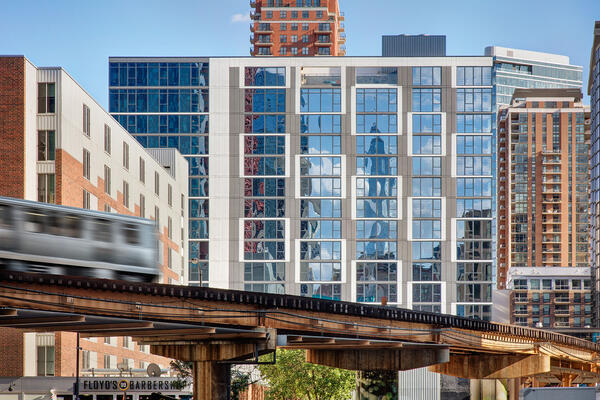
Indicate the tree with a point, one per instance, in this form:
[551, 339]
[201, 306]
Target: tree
[183, 372]
[292, 378]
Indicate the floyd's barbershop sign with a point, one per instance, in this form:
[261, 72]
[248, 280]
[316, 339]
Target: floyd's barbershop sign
[119, 384]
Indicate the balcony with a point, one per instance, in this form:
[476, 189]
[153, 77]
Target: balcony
[561, 299]
[253, 4]
[323, 43]
[561, 324]
[341, 16]
[323, 28]
[254, 15]
[342, 28]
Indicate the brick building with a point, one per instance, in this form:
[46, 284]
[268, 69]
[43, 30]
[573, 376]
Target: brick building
[59, 146]
[297, 28]
[543, 189]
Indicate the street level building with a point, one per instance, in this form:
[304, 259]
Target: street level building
[594, 92]
[59, 146]
[297, 28]
[343, 178]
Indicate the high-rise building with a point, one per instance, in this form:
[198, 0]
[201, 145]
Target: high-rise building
[343, 178]
[59, 146]
[297, 28]
[164, 102]
[515, 68]
[543, 186]
[413, 45]
[594, 92]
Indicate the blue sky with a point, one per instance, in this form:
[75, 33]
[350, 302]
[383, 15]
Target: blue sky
[81, 35]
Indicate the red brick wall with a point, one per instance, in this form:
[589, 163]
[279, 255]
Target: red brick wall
[11, 352]
[12, 126]
[66, 353]
[69, 192]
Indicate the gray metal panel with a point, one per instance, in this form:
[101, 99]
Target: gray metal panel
[418, 384]
[167, 158]
[413, 46]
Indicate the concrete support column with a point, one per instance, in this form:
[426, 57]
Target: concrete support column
[211, 380]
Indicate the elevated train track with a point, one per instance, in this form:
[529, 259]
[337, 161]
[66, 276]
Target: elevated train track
[214, 326]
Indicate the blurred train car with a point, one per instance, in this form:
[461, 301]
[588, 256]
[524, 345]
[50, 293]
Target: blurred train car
[46, 238]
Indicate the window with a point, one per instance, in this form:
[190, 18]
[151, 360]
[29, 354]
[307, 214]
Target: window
[157, 217]
[469, 123]
[46, 146]
[283, 50]
[427, 76]
[319, 14]
[473, 100]
[46, 98]
[426, 100]
[170, 227]
[106, 361]
[45, 360]
[426, 123]
[107, 208]
[426, 144]
[305, 39]
[85, 360]
[305, 15]
[426, 187]
[283, 38]
[426, 166]
[294, 26]
[170, 195]
[283, 26]
[87, 200]
[294, 38]
[86, 164]
[305, 51]
[46, 188]
[142, 170]
[376, 110]
[142, 206]
[282, 14]
[294, 15]
[126, 194]
[86, 120]
[156, 183]
[269, 15]
[107, 138]
[125, 155]
[294, 50]
[304, 26]
[473, 144]
[106, 179]
[473, 76]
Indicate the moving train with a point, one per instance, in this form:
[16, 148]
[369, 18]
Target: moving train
[51, 239]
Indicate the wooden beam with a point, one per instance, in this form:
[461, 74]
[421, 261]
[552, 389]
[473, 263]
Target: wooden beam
[18, 322]
[151, 332]
[386, 359]
[493, 366]
[194, 339]
[132, 327]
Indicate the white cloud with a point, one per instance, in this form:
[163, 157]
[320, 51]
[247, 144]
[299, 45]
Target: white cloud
[240, 17]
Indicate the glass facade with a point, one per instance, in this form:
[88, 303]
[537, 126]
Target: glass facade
[165, 105]
[594, 92]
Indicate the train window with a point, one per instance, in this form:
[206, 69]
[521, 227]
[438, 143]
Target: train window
[34, 222]
[72, 226]
[102, 230]
[6, 219]
[53, 224]
[131, 234]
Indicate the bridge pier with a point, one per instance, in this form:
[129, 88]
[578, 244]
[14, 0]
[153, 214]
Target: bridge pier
[211, 380]
[212, 359]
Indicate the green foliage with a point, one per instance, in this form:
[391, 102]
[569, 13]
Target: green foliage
[292, 378]
[183, 372]
[239, 382]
